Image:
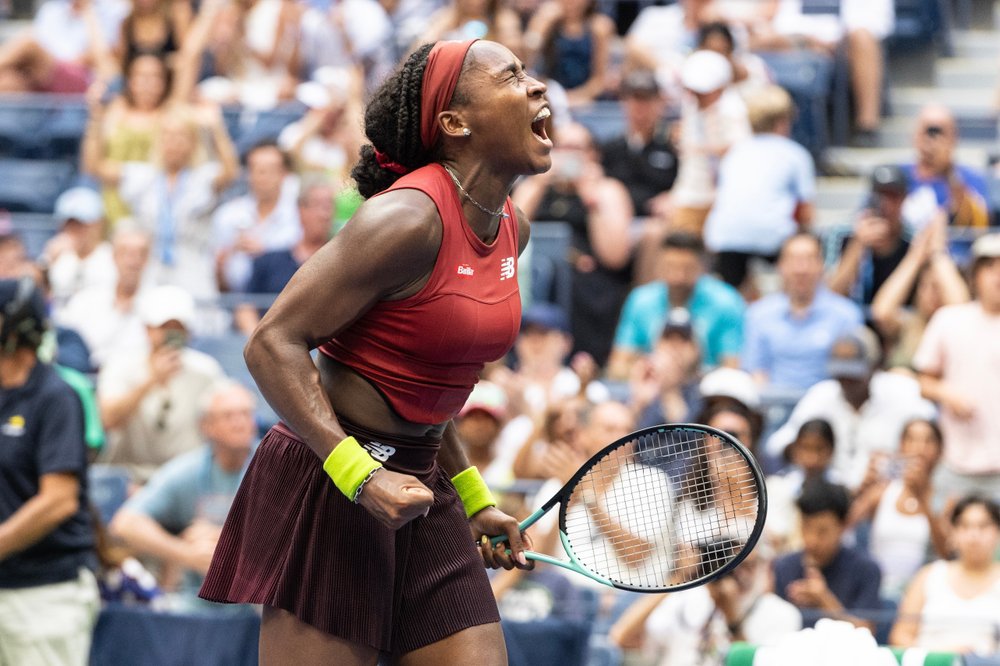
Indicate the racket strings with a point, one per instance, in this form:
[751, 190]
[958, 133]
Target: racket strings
[664, 509]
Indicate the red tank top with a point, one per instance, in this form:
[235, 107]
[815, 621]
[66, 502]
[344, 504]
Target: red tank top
[424, 353]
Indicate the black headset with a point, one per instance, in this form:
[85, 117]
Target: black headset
[22, 324]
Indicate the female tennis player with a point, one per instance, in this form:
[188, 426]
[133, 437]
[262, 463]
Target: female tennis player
[352, 526]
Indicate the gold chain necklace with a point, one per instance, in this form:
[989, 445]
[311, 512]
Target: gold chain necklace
[492, 213]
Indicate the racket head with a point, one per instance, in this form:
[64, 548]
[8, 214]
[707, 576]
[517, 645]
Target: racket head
[692, 494]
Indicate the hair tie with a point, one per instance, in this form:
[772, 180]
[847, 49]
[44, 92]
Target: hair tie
[386, 162]
[444, 64]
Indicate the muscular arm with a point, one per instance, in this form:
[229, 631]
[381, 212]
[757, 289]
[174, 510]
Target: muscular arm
[386, 252]
[58, 498]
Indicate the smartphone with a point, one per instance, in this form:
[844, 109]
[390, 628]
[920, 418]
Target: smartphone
[176, 339]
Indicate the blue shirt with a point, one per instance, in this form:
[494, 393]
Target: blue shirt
[972, 179]
[754, 208]
[852, 576]
[793, 350]
[190, 486]
[716, 315]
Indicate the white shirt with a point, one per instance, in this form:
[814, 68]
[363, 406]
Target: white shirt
[661, 33]
[366, 25]
[876, 16]
[761, 181]
[69, 274]
[647, 493]
[278, 231]
[894, 399]
[703, 130]
[62, 32]
[105, 328]
[681, 626]
[166, 422]
[143, 187]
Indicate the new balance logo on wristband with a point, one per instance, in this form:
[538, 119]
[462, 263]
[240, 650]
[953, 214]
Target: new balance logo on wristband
[380, 452]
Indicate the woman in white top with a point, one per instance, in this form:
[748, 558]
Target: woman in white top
[896, 498]
[955, 605]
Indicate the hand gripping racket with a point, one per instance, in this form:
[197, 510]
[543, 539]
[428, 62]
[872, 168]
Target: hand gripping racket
[662, 509]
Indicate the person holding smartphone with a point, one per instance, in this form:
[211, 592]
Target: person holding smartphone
[877, 244]
[150, 401]
[957, 189]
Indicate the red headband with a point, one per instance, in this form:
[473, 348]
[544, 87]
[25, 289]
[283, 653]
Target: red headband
[444, 64]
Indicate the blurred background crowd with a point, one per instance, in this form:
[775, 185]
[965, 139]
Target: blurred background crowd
[761, 216]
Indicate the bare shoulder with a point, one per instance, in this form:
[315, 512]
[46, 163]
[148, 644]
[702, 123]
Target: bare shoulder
[523, 229]
[400, 230]
[602, 25]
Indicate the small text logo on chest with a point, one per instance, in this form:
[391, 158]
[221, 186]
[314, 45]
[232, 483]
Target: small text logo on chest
[466, 270]
[507, 268]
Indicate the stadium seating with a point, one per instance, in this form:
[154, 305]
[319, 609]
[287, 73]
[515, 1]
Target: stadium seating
[34, 230]
[32, 186]
[107, 489]
[551, 274]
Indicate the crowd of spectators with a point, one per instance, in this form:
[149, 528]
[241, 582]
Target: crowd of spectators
[700, 291]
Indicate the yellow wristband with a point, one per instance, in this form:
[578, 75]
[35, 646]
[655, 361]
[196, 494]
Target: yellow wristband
[349, 465]
[474, 492]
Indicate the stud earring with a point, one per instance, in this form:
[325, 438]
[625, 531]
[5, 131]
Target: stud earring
[466, 131]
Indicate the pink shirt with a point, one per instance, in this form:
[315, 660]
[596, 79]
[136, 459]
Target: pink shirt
[962, 345]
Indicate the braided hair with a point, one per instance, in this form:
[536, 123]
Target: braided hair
[392, 125]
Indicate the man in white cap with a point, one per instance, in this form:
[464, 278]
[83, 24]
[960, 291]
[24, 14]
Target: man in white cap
[866, 406]
[958, 361]
[150, 401]
[78, 256]
[713, 118]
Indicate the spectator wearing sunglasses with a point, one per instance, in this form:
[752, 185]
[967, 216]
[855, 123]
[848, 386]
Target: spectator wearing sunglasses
[149, 401]
[936, 180]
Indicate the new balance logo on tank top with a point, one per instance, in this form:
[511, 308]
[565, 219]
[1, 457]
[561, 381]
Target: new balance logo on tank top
[424, 353]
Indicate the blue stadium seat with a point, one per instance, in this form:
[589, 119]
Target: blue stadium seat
[919, 23]
[228, 351]
[264, 126]
[604, 120]
[34, 230]
[32, 186]
[64, 130]
[107, 488]
[551, 274]
[22, 124]
[808, 78]
[993, 186]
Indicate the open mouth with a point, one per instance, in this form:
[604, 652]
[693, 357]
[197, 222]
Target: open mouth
[538, 126]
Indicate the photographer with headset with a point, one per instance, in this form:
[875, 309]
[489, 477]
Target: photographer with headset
[48, 595]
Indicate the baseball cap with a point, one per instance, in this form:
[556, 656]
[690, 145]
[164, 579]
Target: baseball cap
[986, 247]
[487, 397]
[706, 71]
[890, 178]
[640, 83]
[867, 352]
[730, 383]
[79, 203]
[678, 322]
[167, 303]
[547, 316]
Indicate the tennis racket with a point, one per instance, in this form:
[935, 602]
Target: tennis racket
[662, 509]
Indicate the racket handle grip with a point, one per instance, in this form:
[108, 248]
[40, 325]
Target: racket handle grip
[525, 524]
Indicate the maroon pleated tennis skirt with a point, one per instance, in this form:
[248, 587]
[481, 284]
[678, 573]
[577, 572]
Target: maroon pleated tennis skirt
[293, 541]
